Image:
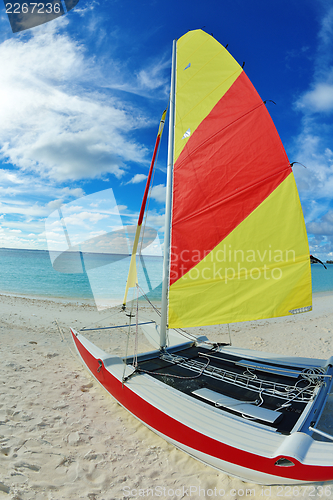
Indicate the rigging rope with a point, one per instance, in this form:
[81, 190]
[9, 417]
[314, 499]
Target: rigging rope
[128, 335]
[177, 376]
[135, 356]
[147, 299]
[116, 311]
[64, 339]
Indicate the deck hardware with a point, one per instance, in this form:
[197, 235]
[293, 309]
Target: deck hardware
[284, 462]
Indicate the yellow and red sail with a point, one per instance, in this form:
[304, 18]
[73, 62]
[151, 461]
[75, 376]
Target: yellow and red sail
[239, 248]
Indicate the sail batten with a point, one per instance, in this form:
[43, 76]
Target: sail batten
[233, 191]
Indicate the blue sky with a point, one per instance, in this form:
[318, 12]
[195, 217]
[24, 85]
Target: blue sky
[81, 98]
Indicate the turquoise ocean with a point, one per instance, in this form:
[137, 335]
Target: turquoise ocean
[30, 273]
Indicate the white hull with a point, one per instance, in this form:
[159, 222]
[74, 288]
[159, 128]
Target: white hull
[230, 443]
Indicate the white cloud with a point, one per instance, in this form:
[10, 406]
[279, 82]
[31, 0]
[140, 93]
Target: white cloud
[320, 99]
[156, 220]
[323, 226]
[85, 219]
[83, 10]
[158, 193]
[153, 77]
[137, 178]
[321, 246]
[313, 145]
[326, 31]
[14, 182]
[25, 201]
[50, 123]
[10, 239]
[316, 180]
[61, 123]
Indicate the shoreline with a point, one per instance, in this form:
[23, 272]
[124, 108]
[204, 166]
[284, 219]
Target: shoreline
[48, 298]
[78, 300]
[71, 300]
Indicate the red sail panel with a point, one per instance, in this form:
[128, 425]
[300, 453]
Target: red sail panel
[232, 162]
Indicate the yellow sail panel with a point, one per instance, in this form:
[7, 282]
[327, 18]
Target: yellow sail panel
[205, 72]
[260, 270]
[132, 278]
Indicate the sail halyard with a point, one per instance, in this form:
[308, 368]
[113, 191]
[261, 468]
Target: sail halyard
[132, 273]
[168, 204]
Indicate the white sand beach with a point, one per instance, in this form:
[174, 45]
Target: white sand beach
[63, 437]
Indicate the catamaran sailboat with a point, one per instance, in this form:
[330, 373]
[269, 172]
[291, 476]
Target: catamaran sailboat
[236, 250]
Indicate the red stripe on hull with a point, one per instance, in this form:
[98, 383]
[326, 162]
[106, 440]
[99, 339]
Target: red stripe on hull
[179, 432]
[233, 161]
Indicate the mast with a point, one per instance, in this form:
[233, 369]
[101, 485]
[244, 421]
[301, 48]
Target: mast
[168, 206]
